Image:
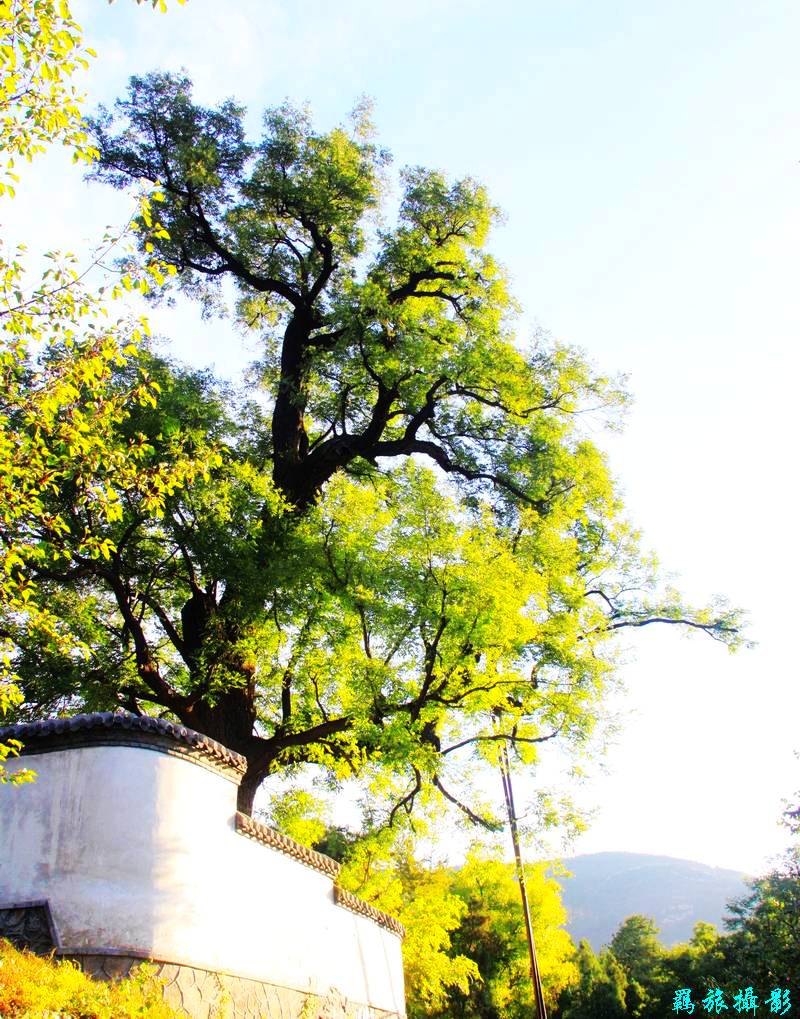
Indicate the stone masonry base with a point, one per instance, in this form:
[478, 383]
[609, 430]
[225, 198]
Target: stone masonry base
[202, 994]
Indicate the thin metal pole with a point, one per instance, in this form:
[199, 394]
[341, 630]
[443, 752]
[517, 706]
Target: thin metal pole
[508, 792]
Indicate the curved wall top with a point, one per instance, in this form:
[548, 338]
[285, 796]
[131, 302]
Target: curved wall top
[130, 833]
[120, 728]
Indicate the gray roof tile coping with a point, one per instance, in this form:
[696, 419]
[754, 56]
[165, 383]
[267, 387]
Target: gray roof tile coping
[261, 832]
[107, 726]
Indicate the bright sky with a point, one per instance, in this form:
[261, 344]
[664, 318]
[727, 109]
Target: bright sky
[647, 156]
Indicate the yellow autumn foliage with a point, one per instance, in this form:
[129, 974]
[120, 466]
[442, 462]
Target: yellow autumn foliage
[32, 987]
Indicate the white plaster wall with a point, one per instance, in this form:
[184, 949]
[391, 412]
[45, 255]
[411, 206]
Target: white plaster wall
[137, 849]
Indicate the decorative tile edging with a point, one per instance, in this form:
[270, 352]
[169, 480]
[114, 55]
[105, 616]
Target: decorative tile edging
[120, 728]
[352, 902]
[276, 840]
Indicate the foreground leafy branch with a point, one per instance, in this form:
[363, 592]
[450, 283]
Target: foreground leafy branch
[61, 405]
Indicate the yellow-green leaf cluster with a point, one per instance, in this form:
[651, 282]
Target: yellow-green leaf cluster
[32, 986]
[60, 349]
[465, 938]
[496, 933]
[41, 48]
[383, 871]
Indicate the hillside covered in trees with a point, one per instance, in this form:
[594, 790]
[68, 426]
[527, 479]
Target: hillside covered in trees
[601, 889]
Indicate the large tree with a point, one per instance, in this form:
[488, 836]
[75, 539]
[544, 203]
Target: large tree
[412, 550]
[492, 934]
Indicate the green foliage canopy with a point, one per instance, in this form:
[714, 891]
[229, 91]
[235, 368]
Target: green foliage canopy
[412, 551]
[600, 991]
[637, 976]
[764, 927]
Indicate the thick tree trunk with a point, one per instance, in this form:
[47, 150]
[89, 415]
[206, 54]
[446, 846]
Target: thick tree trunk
[229, 720]
[227, 717]
[255, 774]
[289, 438]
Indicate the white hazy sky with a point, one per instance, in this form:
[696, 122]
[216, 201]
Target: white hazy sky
[647, 157]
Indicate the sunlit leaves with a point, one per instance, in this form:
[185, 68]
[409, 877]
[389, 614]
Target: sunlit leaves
[60, 414]
[40, 51]
[465, 951]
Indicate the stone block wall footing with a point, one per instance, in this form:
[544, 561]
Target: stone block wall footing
[203, 994]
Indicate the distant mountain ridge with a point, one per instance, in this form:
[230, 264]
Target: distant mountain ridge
[607, 887]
